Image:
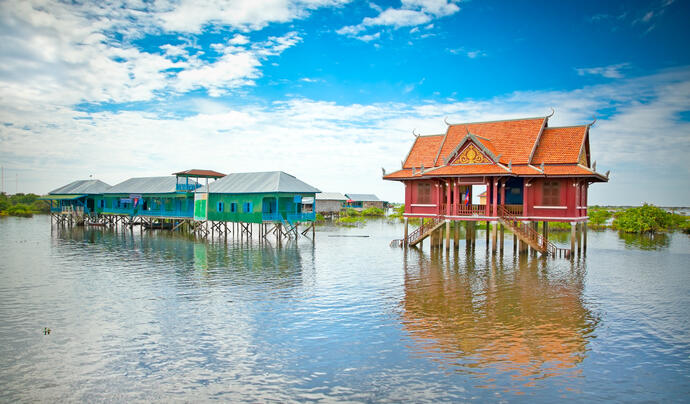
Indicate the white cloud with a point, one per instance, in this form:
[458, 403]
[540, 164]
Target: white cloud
[192, 15]
[411, 14]
[611, 71]
[69, 55]
[472, 54]
[342, 147]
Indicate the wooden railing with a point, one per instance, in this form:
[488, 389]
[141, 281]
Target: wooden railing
[471, 210]
[527, 233]
[515, 210]
[421, 230]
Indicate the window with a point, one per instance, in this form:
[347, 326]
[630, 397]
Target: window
[220, 206]
[424, 193]
[551, 193]
[233, 207]
[101, 203]
[247, 207]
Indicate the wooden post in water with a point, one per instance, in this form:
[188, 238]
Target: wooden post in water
[584, 238]
[405, 233]
[572, 237]
[579, 239]
[502, 237]
[494, 234]
[523, 245]
[456, 235]
[545, 228]
[488, 226]
[447, 234]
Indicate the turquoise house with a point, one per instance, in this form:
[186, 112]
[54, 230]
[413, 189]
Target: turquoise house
[259, 197]
[80, 197]
[150, 196]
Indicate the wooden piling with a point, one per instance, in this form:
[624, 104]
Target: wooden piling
[447, 234]
[572, 237]
[405, 233]
[494, 235]
[502, 237]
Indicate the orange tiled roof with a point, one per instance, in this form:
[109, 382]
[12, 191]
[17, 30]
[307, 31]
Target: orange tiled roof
[526, 143]
[404, 173]
[560, 145]
[514, 140]
[566, 169]
[467, 169]
[423, 151]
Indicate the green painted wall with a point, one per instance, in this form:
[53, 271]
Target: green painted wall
[285, 205]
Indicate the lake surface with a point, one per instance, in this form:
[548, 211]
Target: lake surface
[156, 317]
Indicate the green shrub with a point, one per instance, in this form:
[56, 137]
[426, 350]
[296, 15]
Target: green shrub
[643, 219]
[40, 206]
[372, 211]
[350, 220]
[598, 216]
[351, 212]
[20, 210]
[320, 218]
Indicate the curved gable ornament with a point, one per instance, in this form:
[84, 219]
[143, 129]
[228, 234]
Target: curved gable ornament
[471, 155]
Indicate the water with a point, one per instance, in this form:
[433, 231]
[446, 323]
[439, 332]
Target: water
[164, 318]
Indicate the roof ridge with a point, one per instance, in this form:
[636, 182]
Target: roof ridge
[567, 126]
[499, 120]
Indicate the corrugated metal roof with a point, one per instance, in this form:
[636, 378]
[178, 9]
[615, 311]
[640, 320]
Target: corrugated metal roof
[363, 197]
[146, 185]
[269, 181]
[81, 187]
[308, 200]
[61, 197]
[330, 196]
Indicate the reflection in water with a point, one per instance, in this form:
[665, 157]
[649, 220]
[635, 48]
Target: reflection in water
[520, 315]
[250, 262]
[646, 241]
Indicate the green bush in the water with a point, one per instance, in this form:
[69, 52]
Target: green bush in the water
[350, 220]
[643, 219]
[598, 216]
[372, 211]
[320, 218]
[20, 210]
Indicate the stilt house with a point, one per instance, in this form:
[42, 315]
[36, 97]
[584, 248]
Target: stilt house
[530, 171]
[258, 197]
[79, 197]
[150, 196]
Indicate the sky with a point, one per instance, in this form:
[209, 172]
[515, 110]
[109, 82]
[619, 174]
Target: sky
[331, 90]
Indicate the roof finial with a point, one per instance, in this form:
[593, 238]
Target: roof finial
[553, 111]
[607, 173]
[415, 135]
[383, 170]
[595, 119]
[445, 119]
[467, 130]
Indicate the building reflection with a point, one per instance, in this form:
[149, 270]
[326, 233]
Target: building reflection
[517, 315]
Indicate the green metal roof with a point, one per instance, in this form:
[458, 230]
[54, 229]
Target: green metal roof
[61, 197]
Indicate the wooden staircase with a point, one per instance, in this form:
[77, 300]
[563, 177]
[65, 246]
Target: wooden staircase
[528, 235]
[421, 232]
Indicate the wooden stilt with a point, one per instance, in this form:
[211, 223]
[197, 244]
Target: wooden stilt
[447, 234]
[488, 226]
[502, 237]
[405, 233]
[494, 235]
[579, 238]
[584, 238]
[456, 235]
[573, 235]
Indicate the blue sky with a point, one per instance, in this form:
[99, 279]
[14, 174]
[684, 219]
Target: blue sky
[330, 90]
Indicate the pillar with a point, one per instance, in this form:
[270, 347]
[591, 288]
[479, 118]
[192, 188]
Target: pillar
[406, 232]
[502, 237]
[545, 227]
[456, 235]
[448, 231]
[584, 238]
[523, 245]
[579, 238]
[494, 197]
[488, 226]
[494, 234]
[572, 237]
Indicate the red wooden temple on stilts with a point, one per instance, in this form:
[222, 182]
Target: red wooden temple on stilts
[531, 172]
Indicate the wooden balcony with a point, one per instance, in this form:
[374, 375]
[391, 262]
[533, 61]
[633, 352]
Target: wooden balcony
[478, 210]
